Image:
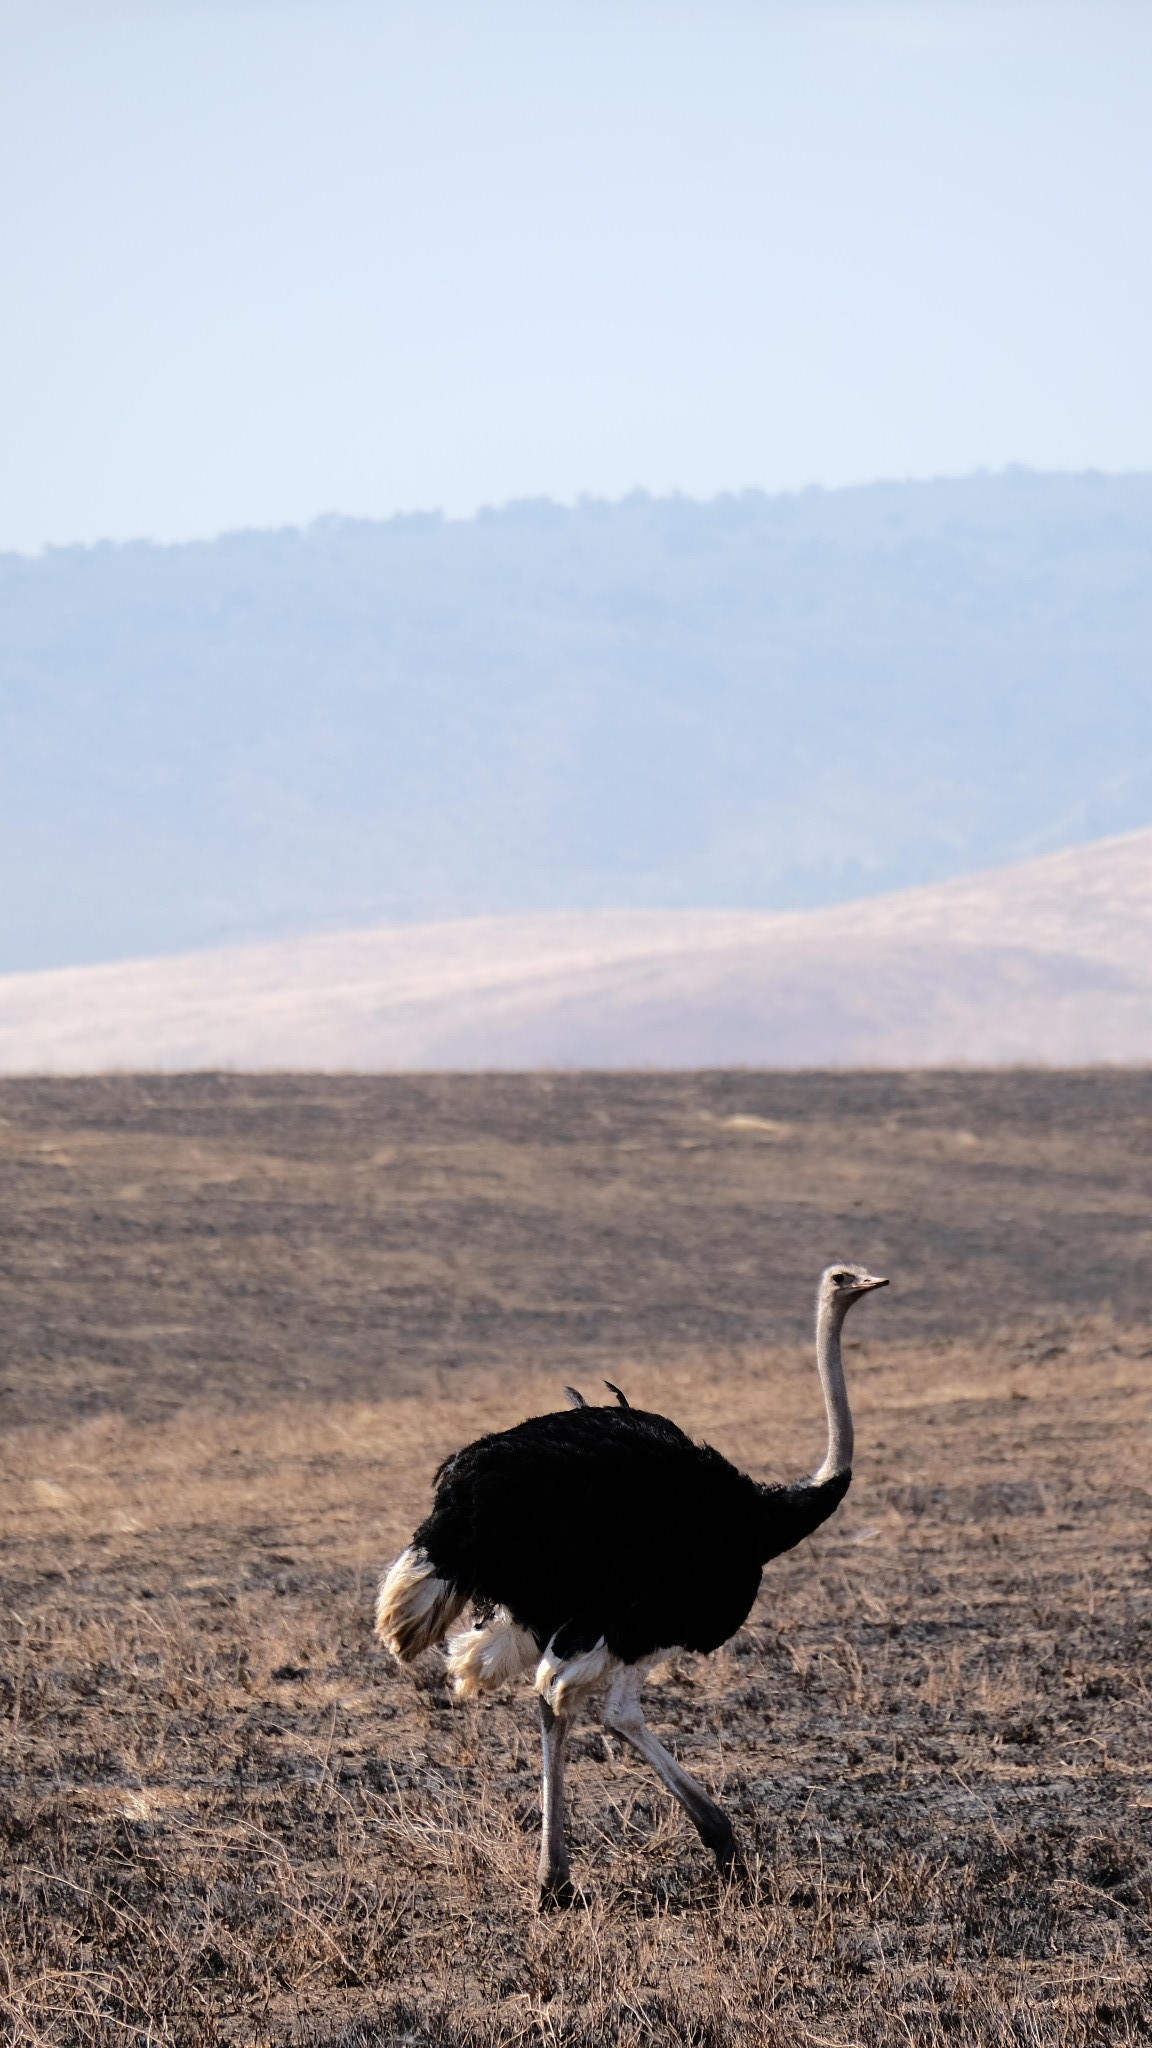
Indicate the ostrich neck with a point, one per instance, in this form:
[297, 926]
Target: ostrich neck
[838, 1457]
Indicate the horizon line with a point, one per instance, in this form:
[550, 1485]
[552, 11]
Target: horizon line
[584, 500]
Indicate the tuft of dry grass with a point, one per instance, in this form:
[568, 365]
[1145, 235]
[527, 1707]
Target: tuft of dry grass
[226, 1818]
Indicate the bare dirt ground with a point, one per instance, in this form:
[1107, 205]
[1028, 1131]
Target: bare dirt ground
[244, 1318]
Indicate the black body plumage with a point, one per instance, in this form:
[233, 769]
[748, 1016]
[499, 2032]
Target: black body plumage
[610, 1525]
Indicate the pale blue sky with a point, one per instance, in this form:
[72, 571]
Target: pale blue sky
[265, 259]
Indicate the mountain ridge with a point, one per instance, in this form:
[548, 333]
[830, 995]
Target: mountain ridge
[1046, 962]
[764, 702]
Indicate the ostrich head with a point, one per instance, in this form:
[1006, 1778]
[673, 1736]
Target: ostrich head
[841, 1285]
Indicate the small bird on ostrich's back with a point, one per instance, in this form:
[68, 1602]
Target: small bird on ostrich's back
[593, 1542]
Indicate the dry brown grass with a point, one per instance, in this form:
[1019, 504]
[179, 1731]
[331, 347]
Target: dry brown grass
[243, 1320]
[228, 1819]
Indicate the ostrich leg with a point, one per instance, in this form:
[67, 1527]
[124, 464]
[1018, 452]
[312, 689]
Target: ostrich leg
[624, 1716]
[555, 1880]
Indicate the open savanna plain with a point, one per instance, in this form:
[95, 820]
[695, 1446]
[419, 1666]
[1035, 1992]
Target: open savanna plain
[244, 1318]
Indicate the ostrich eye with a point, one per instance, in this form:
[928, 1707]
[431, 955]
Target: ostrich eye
[842, 1279]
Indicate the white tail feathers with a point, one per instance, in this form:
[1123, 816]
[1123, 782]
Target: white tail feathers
[565, 1682]
[489, 1655]
[414, 1608]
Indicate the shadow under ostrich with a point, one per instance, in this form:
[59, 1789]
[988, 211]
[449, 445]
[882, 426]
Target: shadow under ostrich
[593, 1542]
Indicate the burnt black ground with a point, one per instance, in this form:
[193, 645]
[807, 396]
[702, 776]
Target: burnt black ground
[245, 1319]
[239, 1238]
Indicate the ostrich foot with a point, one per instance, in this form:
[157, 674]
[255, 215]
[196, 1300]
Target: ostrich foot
[556, 1894]
[729, 1860]
[717, 1833]
[730, 1865]
[735, 1876]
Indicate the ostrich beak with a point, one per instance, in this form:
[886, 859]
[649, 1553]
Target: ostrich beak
[867, 1285]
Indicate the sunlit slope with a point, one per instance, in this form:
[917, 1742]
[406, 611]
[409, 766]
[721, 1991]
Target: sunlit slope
[1050, 961]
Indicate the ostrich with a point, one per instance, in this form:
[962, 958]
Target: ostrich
[591, 1543]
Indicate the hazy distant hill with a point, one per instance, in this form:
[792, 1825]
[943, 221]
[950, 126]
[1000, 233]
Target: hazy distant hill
[767, 702]
[1047, 962]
